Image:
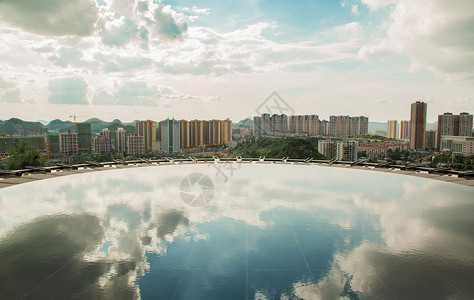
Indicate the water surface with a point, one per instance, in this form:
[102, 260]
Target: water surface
[259, 231]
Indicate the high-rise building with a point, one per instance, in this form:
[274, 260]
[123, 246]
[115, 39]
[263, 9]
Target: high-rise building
[147, 129]
[392, 129]
[120, 140]
[309, 125]
[430, 142]
[313, 125]
[68, 143]
[226, 131]
[197, 133]
[346, 150]
[257, 126]
[279, 124]
[418, 125]
[465, 124]
[327, 148]
[102, 142]
[170, 136]
[404, 130]
[301, 124]
[346, 125]
[184, 134]
[214, 132]
[135, 145]
[293, 125]
[359, 125]
[324, 128]
[84, 137]
[266, 124]
[454, 125]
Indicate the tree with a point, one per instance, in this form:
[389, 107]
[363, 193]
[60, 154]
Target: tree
[298, 148]
[24, 155]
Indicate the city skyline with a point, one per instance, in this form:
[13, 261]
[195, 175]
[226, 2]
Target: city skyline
[156, 59]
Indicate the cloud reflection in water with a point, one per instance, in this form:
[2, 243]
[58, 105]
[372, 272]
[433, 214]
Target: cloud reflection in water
[270, 231]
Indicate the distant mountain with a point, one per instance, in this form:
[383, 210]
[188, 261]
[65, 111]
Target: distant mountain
[432, 126]
[377, 126]
[96, 125]
[94, 120]
[16, 126]
[60, 126]
[112, 126]
[245, 123]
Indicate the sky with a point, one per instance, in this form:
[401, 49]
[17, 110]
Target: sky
[153, 59]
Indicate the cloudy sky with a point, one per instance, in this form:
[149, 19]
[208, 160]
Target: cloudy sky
[136, 59]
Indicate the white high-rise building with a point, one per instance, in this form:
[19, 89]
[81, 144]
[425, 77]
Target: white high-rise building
[170, 135]
[135, 144]
[120, 140]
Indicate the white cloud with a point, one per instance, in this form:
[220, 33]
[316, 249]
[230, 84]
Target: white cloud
[67, 90]
[376, 4]
[4, 84]
[169, 24]
[9, 92]
[434, 34]
[355, 9]
[195, 10]
[377, 50]
[51, 17]
[12, 96]
[68, 57]
[463, 103]
[124, 64]
[132, 93]
[119, 32]
[205, 51]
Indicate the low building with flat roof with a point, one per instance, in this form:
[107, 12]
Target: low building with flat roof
[457, 144]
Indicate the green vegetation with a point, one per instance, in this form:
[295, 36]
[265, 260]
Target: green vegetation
[278, 147]
[60, 126]
[16, 126]
[456, 162]
[96, 125]
[24, 155]
[370, 137]
[404, 156]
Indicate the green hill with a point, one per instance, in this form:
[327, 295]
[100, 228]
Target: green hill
[60, 126]
[16, 126]
[245, 123]
[96, 125]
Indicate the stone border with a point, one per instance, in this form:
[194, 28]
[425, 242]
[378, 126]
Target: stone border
[11, 178]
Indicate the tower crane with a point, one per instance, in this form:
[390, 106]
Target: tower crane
[74, 119]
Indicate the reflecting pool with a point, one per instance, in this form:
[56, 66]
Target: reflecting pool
[237, 231]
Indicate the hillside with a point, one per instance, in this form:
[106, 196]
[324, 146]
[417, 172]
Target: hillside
[16, 126]
[96, 125]
[60, 126]
[245, 123]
